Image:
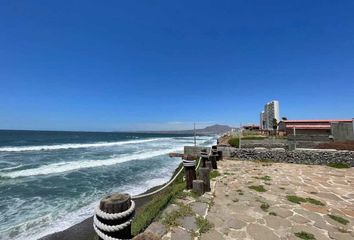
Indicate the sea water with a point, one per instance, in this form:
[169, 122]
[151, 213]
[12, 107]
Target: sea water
[50, 181]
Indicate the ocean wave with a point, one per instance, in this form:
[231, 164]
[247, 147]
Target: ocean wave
[68, 218]
[61, 167]
[11, 168]
[73, 145]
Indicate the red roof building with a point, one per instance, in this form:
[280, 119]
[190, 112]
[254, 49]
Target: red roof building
[309, 126]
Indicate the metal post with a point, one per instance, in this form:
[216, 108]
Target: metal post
[294, 138]
[195, 140]
[239, 136]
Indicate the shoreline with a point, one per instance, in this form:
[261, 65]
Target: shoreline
[84, 230]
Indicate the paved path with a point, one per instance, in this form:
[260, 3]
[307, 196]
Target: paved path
[238, 212]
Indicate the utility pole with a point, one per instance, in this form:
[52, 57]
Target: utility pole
[239, 136]
[195, 138]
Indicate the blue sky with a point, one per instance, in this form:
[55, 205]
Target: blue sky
[133, 65]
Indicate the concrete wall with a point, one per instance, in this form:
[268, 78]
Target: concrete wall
[342, 131]
[307, 141]
[194, 151]
[310, 156]
[266, 143]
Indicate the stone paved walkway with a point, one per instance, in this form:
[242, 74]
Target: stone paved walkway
[238, 212]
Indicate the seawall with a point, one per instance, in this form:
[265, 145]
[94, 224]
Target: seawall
[300, 156]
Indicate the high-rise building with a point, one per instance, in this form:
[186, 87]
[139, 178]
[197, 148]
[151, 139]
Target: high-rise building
[271, 111]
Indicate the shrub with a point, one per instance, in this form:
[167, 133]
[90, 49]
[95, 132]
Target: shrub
[339, 219]
[315, 201]
[204, 225]
[258, 188]
[234, 142]
[338, 165]
[265, 206]
[171, 218]
[305, 235]
[265, 178]
[296, 199]
[150, 211]
[214, 174]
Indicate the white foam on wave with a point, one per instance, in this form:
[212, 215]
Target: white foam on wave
[77, 216]
[73, 145]
[11, 168]
[75, 165]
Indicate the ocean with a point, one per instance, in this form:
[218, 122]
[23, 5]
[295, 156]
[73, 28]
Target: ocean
[50, 180]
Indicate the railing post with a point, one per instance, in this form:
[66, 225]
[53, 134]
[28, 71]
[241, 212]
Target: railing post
[214, 156]
[204, 175]
[113, 217]
[208, 164]
[198, 187]
[205, 157]
[189, 168]
[220, 155]
[213, 162]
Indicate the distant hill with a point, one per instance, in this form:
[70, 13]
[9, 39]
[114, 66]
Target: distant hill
[214, 129]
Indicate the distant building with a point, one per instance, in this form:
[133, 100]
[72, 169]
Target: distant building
[251, 127]
[311, 127]
[343, 131]
[271, 111]
[311, 133]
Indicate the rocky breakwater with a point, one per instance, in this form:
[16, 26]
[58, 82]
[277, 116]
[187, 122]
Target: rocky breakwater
[300, 156]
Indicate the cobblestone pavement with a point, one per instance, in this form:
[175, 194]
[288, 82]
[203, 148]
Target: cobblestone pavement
[265, 211]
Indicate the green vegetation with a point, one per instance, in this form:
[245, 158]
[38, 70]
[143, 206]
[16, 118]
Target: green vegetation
[338, 165]
[240, 192]
[214, 174]
[265, 178]
[203, 224]
[171, 218]
[234, 142]
[258, 188]
[253, 137]
[339, 219]
[296, 199]
[185, 194]
[305, 235]
[282, 188]
[273, 214]
[315, 201]
[299, 200]
[150, 211]
[265, 206]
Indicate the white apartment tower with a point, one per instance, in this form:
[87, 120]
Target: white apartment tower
[271, 111]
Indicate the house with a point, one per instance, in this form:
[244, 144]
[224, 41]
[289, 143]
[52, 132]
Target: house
[310, 127]
[311, 133]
